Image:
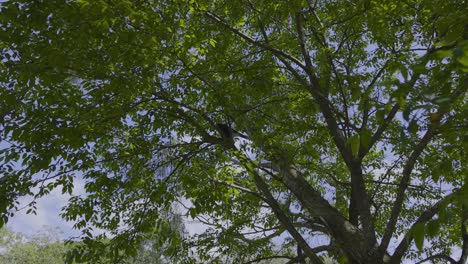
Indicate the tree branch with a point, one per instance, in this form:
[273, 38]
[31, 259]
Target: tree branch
[314, 86]
[464, 233]
[438, 256]
[352, 239]
[304, 51]
[391, 115]
[359, 205]
[365, 116]
[268, 258]
[286, 64]
[406, 174]
[237, 187]
[400, 197]
[249, 39]
[423, 218]
[282, 217]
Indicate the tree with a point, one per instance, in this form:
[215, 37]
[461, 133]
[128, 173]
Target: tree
[160, 247]
[154, 248]
[350, 117]
[47, 246]
[41, 248]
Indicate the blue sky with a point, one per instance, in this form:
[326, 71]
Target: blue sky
[48, 210]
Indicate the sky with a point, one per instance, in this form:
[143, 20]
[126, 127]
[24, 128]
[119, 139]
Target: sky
[48, 210]
[48, 214]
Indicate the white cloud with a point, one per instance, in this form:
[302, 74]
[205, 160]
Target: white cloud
[48, 213]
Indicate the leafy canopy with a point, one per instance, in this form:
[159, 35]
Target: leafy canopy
[350, 113]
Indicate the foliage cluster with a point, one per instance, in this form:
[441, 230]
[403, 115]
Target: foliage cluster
[352, 121]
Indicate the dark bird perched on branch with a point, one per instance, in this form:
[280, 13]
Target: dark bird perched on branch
[228, 133]
[227, 136]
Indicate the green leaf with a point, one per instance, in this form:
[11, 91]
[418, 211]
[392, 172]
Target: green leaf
[380, 115]
[435, 176]
[433, 228]
[354, 142]
[213, 43]
[463, 59]
[418, 234]
[420, 69]
[444, 53]
[366, 138]
[413, 127]
[407, 112]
